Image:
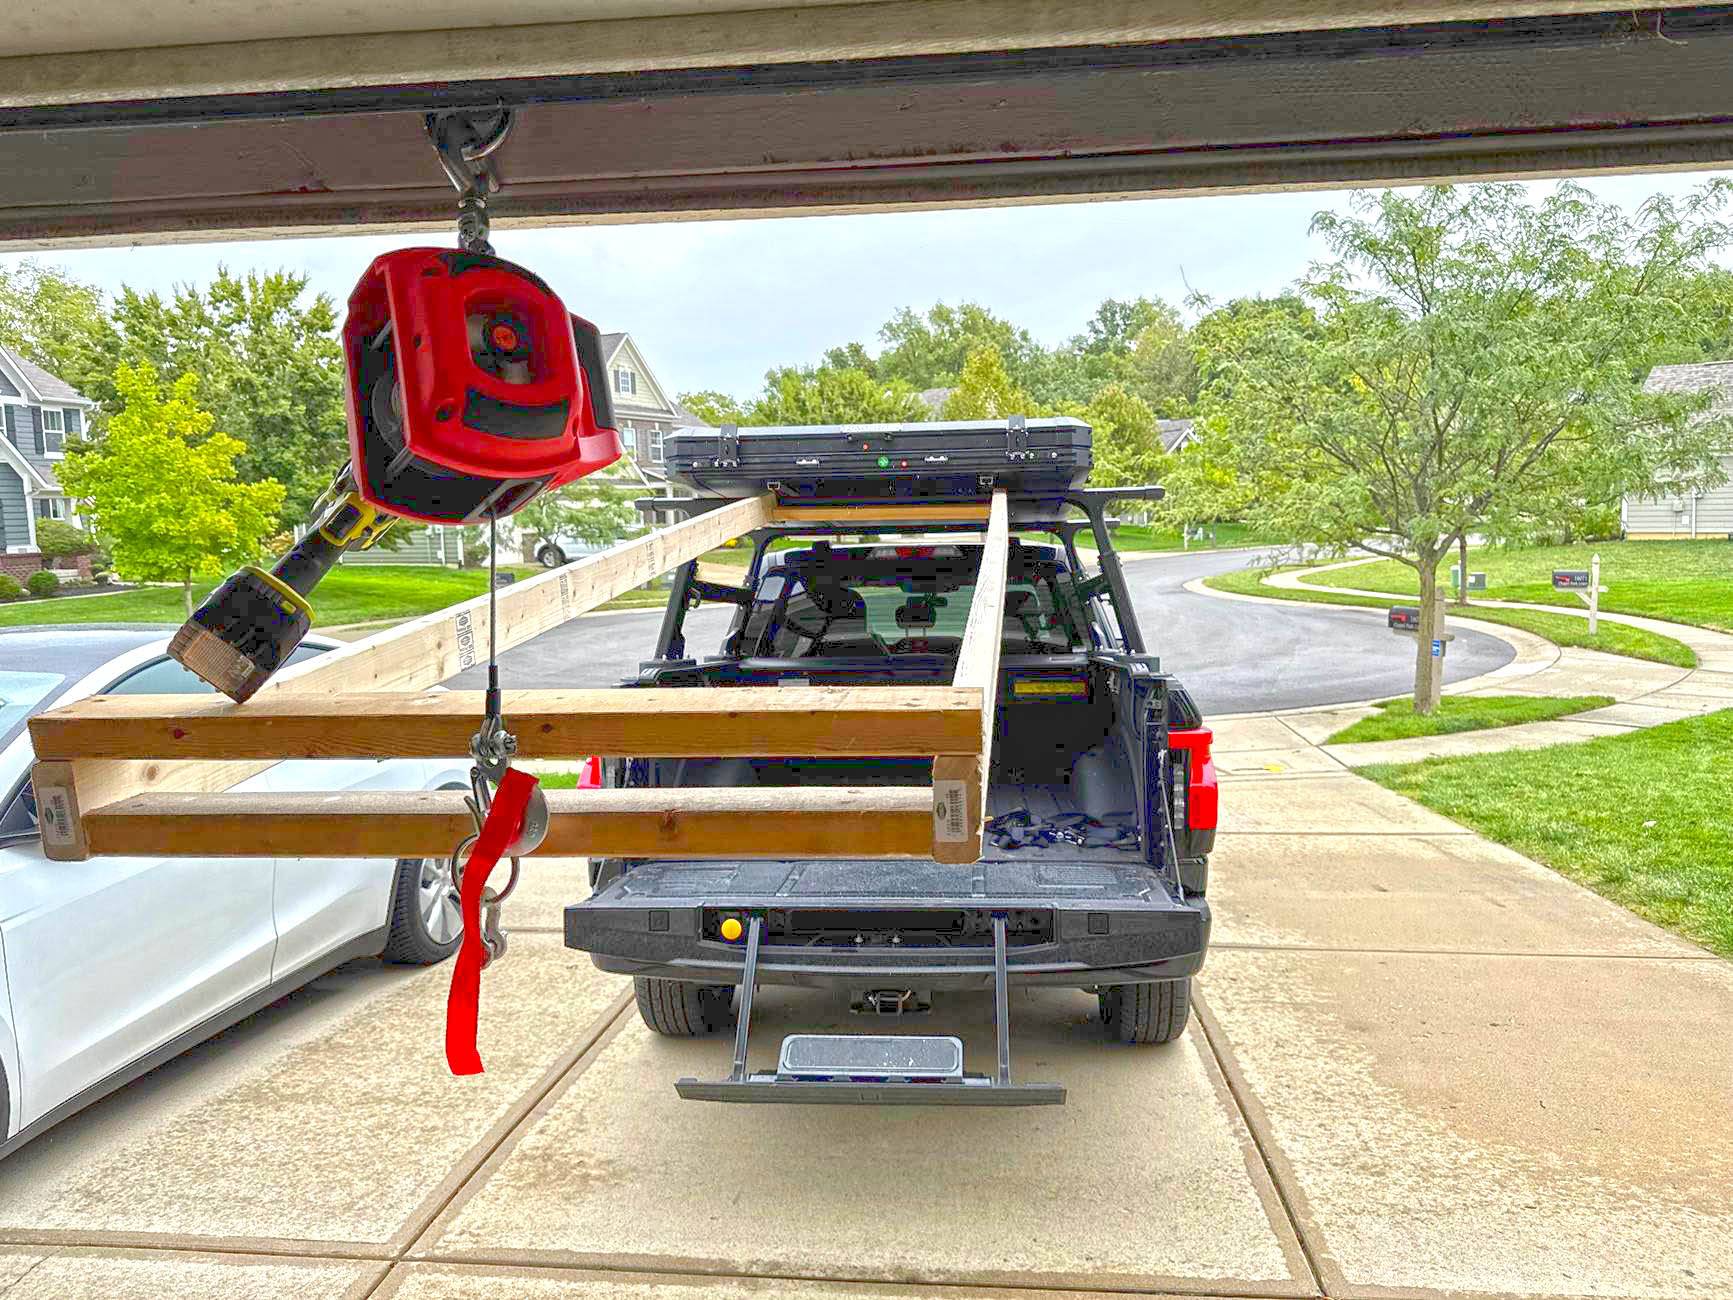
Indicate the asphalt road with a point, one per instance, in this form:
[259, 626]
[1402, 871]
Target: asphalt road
[1234, 656]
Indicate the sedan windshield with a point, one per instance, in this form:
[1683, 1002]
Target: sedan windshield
[20, 696]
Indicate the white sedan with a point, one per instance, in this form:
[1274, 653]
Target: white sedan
[112, 966]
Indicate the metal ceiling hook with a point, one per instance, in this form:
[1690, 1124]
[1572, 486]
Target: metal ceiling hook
[464, 140]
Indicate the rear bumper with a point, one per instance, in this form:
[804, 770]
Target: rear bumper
[1092, 924]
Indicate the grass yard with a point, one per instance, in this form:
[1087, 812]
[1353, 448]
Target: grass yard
[1684, 582]
[1643, 818]
[350, 594]
[1398, 721]
[1560, 629]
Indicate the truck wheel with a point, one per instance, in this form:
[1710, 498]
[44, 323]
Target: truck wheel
[1146, 1013]
[683, 1010]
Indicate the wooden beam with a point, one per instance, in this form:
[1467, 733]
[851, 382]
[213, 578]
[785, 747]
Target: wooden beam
[763, 721]
[729, 824]
[411, 656]
[99, 150]
[965, 775]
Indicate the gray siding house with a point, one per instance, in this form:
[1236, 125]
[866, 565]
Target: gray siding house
[1687, 514]
[38, 412]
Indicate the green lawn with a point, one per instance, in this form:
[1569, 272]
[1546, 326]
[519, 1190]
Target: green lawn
[1560, 629]
[1685, 582]
[1643, 818]
[1454, 713]
[351, 594]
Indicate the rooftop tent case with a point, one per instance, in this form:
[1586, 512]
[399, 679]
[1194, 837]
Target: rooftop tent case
[885, 462]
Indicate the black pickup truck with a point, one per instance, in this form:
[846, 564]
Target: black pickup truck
[1100, 815]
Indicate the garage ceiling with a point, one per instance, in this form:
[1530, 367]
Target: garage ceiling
[657, 108]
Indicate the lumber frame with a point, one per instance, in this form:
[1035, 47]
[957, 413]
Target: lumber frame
[409, 657]
[977, 670]
[143, 774]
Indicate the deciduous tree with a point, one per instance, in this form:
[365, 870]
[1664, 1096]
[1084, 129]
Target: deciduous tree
[1473, 362]
[162, 487]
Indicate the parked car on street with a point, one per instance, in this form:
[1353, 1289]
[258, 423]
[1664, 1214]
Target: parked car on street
[112, 966]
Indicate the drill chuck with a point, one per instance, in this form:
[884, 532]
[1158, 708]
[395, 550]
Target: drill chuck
[249, 626]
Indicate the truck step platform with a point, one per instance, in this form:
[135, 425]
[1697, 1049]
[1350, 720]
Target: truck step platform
[872, 1069]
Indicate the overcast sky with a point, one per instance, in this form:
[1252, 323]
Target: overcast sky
[714, 304]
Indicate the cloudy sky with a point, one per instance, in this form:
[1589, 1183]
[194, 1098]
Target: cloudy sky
[715, 304]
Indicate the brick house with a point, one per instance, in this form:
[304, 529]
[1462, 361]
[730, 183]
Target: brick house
[38, 412]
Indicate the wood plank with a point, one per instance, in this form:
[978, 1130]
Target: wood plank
[764, 721]
[1203, 114]
[729, 824]
[66, 790]
[420, 653]
[977, 670]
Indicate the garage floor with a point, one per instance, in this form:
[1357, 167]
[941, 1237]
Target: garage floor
[1423, 1067]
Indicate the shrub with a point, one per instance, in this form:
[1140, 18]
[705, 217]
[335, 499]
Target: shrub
[42, 583]
[9, 588]
[59, 540]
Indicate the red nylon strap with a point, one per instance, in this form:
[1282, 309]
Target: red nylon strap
[462, 1007]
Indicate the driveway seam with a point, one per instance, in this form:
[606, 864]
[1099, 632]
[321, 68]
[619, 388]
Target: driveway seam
[571, 1062]
[1262, 1140]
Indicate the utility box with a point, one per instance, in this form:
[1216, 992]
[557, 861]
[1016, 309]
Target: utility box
[1570, 579]
[1404, 618]
[1476, 581]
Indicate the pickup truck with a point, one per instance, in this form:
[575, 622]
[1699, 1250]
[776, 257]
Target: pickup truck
[1100, 816]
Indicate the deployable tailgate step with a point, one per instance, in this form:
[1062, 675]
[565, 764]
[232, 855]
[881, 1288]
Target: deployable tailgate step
[873, 1069]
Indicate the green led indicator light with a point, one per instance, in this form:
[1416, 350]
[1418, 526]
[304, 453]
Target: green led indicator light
[884, 462]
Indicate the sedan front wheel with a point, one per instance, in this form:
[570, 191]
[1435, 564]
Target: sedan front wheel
[426, 922]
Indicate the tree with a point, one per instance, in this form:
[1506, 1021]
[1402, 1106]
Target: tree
[803, 395]
[1474, 363]
[1125, 449]
[269, 366]
[986, 391]
[930, 351]
[595, 513]
[161, 486]
[713, 407]
[61, 325]
[1203, 481]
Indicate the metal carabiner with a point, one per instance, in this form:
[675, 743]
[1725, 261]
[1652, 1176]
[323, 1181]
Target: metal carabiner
[464, 141]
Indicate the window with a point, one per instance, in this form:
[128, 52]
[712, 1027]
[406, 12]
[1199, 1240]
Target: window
[50, 431]
[625, 381]
[166, 677]
[656, 444]
[54, 420]
[51, 507]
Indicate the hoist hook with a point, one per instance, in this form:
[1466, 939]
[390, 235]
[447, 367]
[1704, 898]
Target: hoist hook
[464, 139]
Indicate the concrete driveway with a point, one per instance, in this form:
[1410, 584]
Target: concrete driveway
[1423, 1066]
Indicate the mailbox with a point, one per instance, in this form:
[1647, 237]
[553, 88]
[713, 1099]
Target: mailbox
[1404, 618]
[1570, 579]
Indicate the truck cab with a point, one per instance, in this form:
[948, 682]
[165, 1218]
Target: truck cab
[1100, 806]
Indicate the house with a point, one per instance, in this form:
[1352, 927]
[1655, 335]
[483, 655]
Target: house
[1686, 514]
[1175, 435]
[38, 412]
[644, 412]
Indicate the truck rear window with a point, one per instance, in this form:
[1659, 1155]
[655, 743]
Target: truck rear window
[844, 610]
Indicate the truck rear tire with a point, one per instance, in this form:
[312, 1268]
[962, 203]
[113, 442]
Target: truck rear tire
[1146, 1013]
[684, 1010]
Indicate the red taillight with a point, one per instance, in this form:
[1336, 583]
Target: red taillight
[1201, 794]
[914, 552]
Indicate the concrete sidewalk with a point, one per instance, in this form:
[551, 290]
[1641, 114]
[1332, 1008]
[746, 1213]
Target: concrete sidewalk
[1422, 1067]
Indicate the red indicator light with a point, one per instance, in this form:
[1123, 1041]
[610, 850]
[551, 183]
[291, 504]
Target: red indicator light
[505, 337]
